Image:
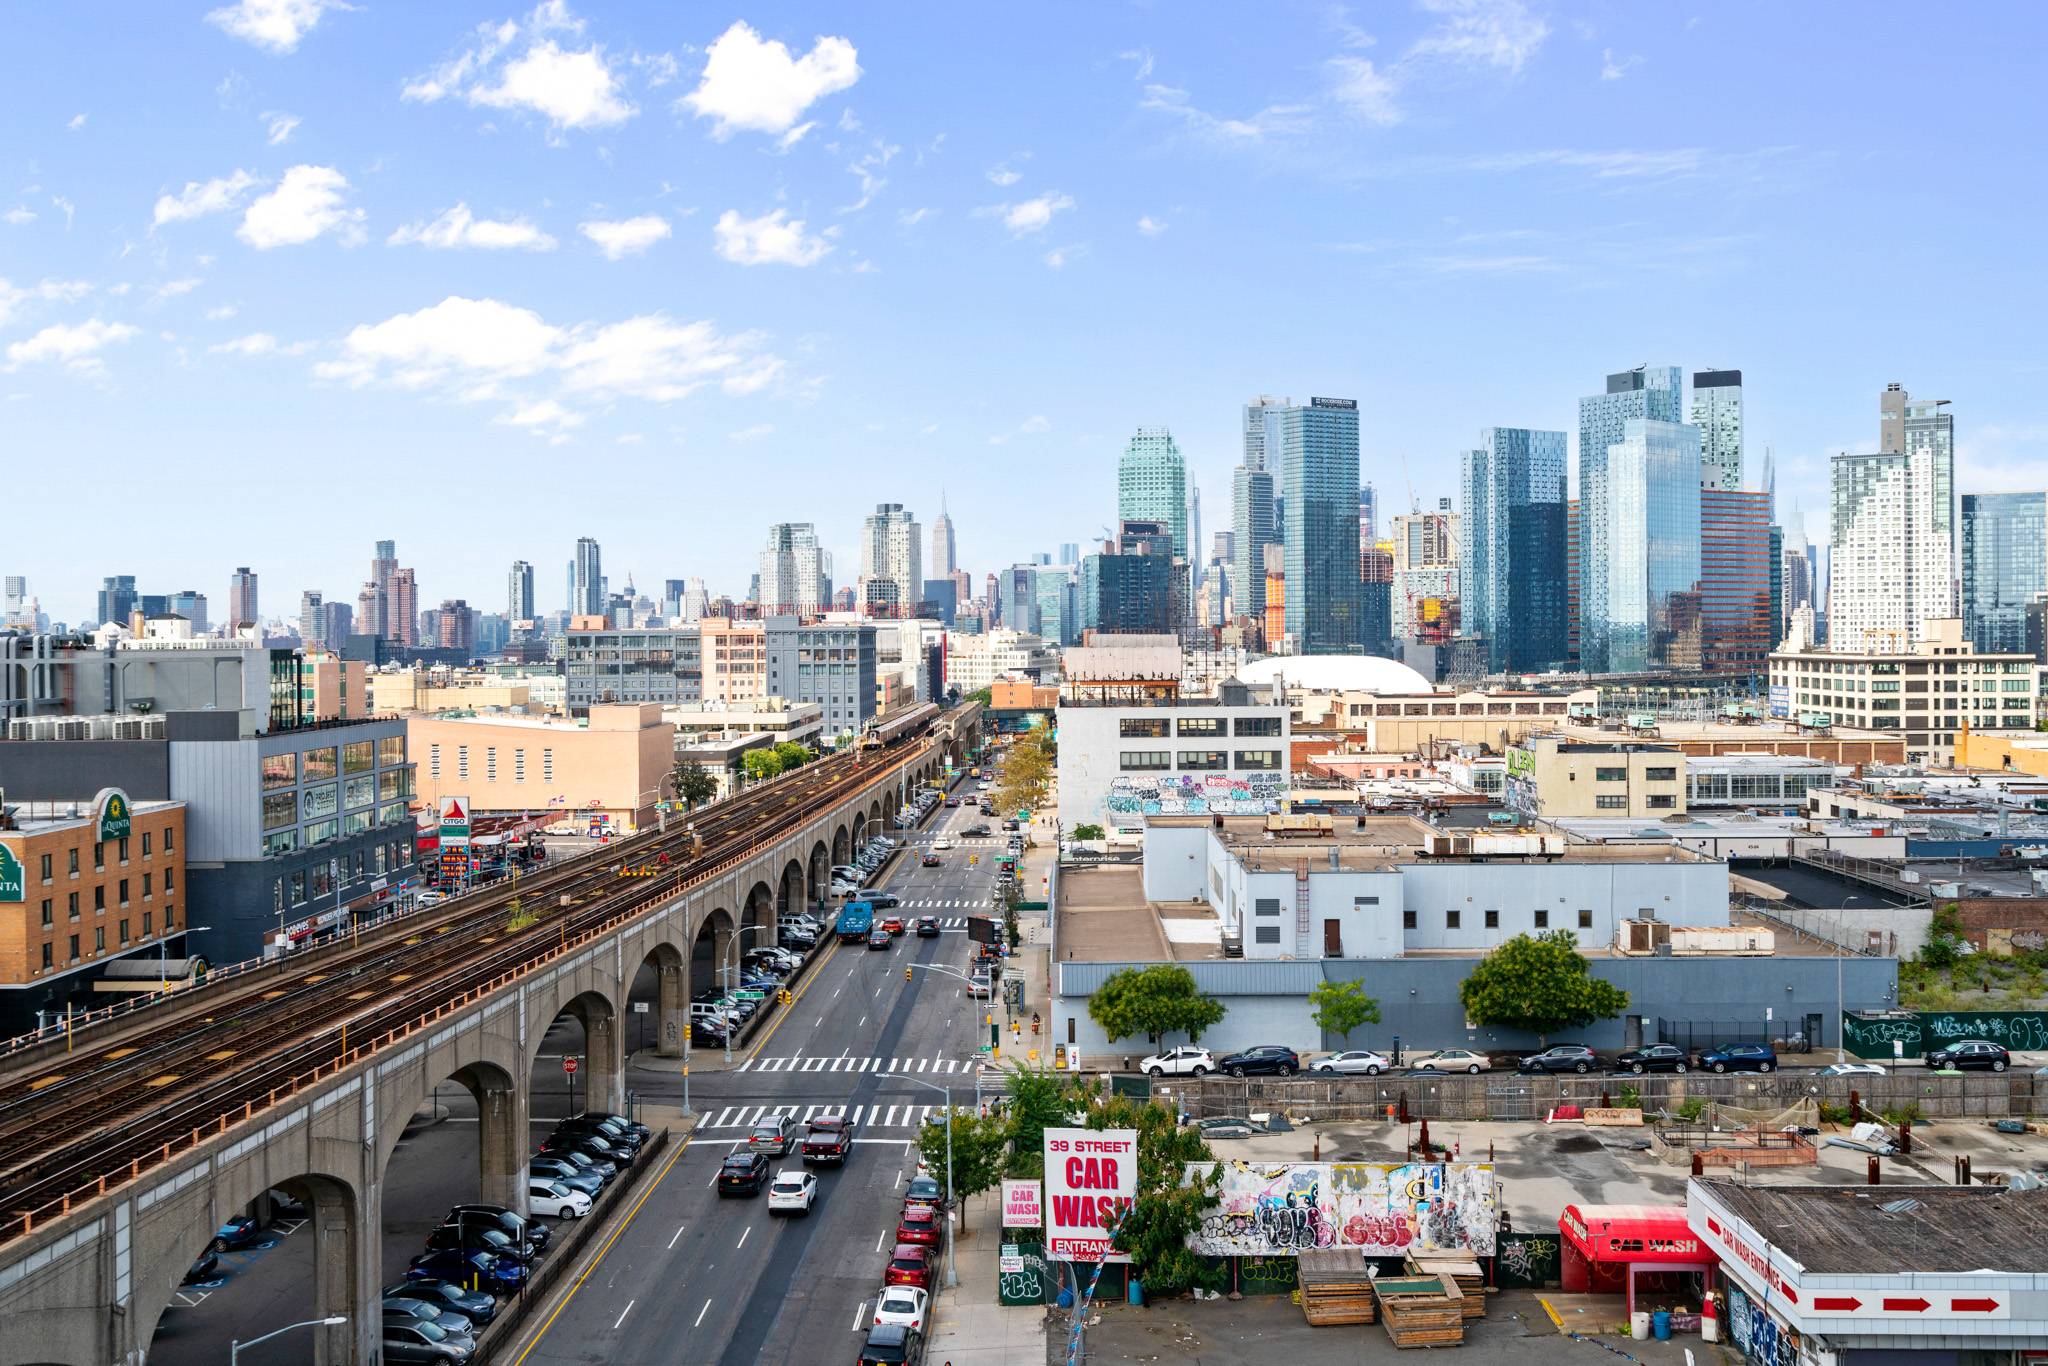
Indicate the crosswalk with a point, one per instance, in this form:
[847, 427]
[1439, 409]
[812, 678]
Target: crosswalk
[934, 1065]
[864, 1117]
[958, 903]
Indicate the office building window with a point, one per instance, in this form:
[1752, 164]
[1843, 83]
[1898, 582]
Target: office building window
[99, 898]
[319, 764]
[169, 874]
[170, 840]
[1255, 725]
[1258, 759]
[1203, 760]
[1142, 727]
[391, 750]
[1542, 919]
[1660, 775]
[359, 756]
[99, 939]
[48, 865]
[1666, 802]
[124, 849]
[1144, 760]
[74, 948]
[280, 770]
[147, 889]
[1359, 902]
[124, 891]
[146, 930]
[1201, 725]
[71, 855]
[47, 964]
[99, 857]
[1493, 920]
[1613, 803]
[1267, 934]
[145, 844]
[1585, 920]
[71, 904]
[1407, 920]
[1610, 775]
[124, 932]
[1452, 919]
[48, 912]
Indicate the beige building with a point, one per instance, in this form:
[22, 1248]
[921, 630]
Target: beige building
[1411, 723]
[614, 766]
[1553, 777]
[735, 660]
[1928, 692]
[410, 690]
[332, 688]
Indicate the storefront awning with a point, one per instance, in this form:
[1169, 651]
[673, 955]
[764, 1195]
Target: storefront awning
[1636, 1235]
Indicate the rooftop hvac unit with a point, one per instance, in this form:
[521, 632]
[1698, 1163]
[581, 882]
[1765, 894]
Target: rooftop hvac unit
[100, 727]
[131, 729]
[74, 730]
[1643, 936]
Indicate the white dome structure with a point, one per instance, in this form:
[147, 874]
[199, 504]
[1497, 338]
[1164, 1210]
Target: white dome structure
[1335, 673]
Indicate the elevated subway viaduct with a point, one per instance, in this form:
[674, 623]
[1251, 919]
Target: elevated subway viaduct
[85, 1277]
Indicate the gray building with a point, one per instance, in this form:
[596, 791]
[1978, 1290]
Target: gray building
[2005, 566]
[1717, 412]
[1646, 393]
[519, 592]
[586, 580]
[831, 663]
[1511, 556]
[1316, 448]
[664, 665]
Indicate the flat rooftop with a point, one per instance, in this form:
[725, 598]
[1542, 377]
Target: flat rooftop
[1762, 732]
[1382, 843]
[38, 817]
[1897, 1230]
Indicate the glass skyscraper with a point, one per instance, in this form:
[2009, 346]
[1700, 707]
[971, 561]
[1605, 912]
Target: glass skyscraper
[1642, 580]
[1717, 412]
[1251, 515]
[1646, 393]
[2005, 564]
[1511, 552]
[1316, 448]
[1152, 484]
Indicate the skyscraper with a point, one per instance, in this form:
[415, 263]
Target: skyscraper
[945, 552]
[1717, 412]
[117, 599]
[1736, 626]
[1255, 430]
[1641, 596]
[891, 561]
[586, 598]
[401, 608]
[1893, 564]
[1368, 514]
[1194, 555]
[313, 619]
[1511, 554]
[519, 592]
[2005, 566]
[1251, 531]
[1152, 484]
[1316, 448]
[383, 566]
[1646, 393]
[1129, 587]
[796, 573]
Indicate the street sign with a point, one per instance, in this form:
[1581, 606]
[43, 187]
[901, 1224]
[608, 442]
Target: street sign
[569, 1066]
[639, 1007]
[750, 994]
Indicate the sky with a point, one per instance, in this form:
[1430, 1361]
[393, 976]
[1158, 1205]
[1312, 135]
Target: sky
[282, 277]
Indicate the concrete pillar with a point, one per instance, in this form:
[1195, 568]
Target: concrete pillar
[603, 1085]
[672, 1009]
[504, 1136]
[338, 1281]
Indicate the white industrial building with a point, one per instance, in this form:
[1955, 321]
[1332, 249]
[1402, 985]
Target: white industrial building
[1122, 759]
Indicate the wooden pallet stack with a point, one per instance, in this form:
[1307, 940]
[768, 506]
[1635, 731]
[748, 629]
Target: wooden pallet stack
[1465, 1271]
[1421, 1311]
[1335, 1288]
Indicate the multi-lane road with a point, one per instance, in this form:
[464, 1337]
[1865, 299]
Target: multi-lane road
[694, 1278]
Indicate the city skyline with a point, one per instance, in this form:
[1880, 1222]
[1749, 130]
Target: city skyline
[775, 288]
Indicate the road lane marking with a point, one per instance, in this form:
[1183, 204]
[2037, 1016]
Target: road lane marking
[863, 1022]
[679, 1233]
[878, 1239]
[622, 1314]
[701, 1313]
[860, 1312]
[743, 1238]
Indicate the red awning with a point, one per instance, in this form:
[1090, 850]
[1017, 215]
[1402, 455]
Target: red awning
[1633, 1234]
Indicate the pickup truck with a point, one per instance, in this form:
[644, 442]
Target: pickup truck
[829, 1139]
[855, 921]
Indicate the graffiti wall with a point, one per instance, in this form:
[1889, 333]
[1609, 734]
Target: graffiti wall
[1279, 1209]
[1873, 1038]
[1197, 794]
[1528, 1261]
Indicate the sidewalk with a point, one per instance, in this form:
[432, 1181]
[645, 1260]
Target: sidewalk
[969, 1328]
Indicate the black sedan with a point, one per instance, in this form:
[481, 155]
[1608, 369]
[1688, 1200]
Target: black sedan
[1266, 1059]
[879, 938]
[927, 927]
[1967, 1054]
[205, 1269]
[1654, 1057]
[743, 1173]
[1563, 1057]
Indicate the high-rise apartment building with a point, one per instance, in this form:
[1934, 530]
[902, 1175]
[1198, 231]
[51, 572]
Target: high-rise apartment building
[796, 572]
[383, 569]
[1737, 629]
[1368, 514]
[1251, 515]
[1717, 412]
[313, 620]
[117, 599]
[2005, 566]
[587, 595]
[1316, 448]
[337, 620]
[242, 608]
[1615, 522]
[519, 592]
[1511, 561]
[1894, 561]
[1425, 604]
[891, 561]
[945, 550]
[1152, 484]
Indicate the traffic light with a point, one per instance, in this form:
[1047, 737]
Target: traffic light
[906, 974]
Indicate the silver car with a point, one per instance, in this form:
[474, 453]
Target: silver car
[1353, 1062]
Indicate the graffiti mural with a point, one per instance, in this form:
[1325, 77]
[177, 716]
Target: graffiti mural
[1527, 1261]
[1197, 794]
[1280, 1209]
[2018, 1030]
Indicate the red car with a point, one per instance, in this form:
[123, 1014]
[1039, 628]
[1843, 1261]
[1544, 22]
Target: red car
[893, 924]
[909, 1264]
[920, 1225]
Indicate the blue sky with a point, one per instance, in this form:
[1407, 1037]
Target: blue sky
[284, 276]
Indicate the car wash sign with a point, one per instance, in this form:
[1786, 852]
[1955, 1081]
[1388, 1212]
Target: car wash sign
[1091, 1178]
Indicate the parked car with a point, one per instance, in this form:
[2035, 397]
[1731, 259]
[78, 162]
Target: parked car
[478, 1238]
[205, 1269]
[743, 1173]
[410, 1340]
[709, 1033]
[909, 1264]
[1563, 1057]
[1266, 1058]
[1353, 1062]
[920, 1224]
[927, 927]
[1451, 1060]
[1652, 1057]
[792, 1192]
[479, 1306]
[596, 1152]
[617, 1137]
[879, 938]
[893, 1344]
[563, 1173]
[775, 1134]
[1970, 1054]
[1853, 1069]
[1740, 1057]
[499, 1275]
[507, 1221]
[903, 1304]
[556, 1200]
[1179, 1062]
[428, 1311]
[576, 1162]
[237, 1233]
[925, 1191]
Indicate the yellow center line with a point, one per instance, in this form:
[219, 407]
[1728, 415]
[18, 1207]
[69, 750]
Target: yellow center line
[816, 975]
[596, 1261]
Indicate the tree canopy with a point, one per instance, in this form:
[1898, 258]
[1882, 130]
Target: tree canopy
[1169, 1206]
[1341, 1007]
[693, 783]
[1541, 984]
[1153, 1001]
[979, 1146]
[1027, 769]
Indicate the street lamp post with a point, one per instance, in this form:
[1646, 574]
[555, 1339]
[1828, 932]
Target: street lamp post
[235, 1347]
[952, 1210]
[725, 971]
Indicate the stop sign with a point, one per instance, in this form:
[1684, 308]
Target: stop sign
[569, 1066]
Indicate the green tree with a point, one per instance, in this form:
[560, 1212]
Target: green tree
[692, 783]
[1170, 1202]
[1088, 832]
[1153, 1001]
[761, 764]
[985, 696]
[793, 755]
[979, 1146]
[1341, 1007]
[1944, 938]
[1026, 771]
[1538, 983]
[1038, 1101]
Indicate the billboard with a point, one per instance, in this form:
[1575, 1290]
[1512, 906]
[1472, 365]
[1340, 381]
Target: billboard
[1283, 1208]
[1023, 1206]
[1091, 1178]
[454, 821]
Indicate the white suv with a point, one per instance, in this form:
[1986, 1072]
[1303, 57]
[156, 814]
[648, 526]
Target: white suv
[1179, 1062]
[792, 1192]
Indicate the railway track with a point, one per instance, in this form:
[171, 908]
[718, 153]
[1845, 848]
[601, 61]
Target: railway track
[87, 1122]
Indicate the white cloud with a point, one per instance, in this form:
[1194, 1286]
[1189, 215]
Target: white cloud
[280, 127]
[276, 26]
[1033, 425]
[77, 122]
[794, 136]
[306, 203]
[67, 206]
[753, 433]
[1366, 91]
[171, 289]
[754, 84]
[626, 237]
[460, 228]
[483, 349]
[1032, 215]
[18, 215]
[1495, 33]
[1004, 176]
[910, 218]
[47, 291]
[772, 239]
[221, 313]
[75, 346]
[255, 344]
[1150, 226]
[1142, 57]
[544, 418]
[573, 87]
[869, 169]
[1613, 68]
[200, 198]
[1274, 121]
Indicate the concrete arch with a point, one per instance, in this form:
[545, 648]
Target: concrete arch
[792, 891]
[501, 1106]
[820, 869]
[842, 845]
[671, 994]
[708, 947]
[758, 918]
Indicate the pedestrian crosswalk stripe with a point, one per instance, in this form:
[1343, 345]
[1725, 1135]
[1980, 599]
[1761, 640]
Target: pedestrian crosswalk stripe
[848, 1063]
[863, 1116]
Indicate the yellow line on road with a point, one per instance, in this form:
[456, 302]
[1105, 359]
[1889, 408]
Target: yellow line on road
[816, 974]
[624, 1224]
